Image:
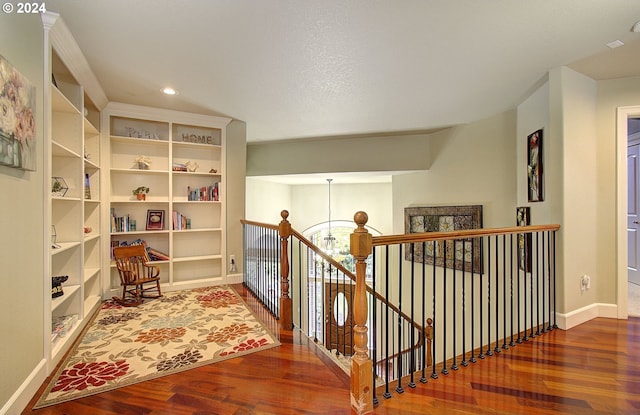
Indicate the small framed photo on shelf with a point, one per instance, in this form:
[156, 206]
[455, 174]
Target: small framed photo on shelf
[155, 220]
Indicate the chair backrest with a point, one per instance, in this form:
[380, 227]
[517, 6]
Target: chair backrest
[129, 261]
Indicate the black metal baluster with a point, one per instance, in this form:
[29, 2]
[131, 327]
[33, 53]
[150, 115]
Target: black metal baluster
[275, 286]
[412, 361]
[399, 388]
[346, 310]
[454, 365]
[531, 334]
[386, 394]
[434, 375]
[464, 305]
[504, 292]
[555, 323]
[313, 297]
[473, 301]
[527, 254]
[548, 234]
[537, 285]
[489, 351]
[544, 268]
[444, 370]
[481, 355]
[374, 326]
[423, 321]
[325, 322]
[521, 260]
[512, 343]
[261, 250]
[269, 274]
[330, 316]
[497, 348]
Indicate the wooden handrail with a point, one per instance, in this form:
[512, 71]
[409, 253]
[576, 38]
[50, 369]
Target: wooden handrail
[259, 224]
[461, 234]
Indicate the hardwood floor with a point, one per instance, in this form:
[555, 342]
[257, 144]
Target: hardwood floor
[591, 369]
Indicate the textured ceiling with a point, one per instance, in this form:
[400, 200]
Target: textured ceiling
[293, 69]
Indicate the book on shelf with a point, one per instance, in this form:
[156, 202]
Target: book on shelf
[204, 193]
[122, 223]
[180, 222]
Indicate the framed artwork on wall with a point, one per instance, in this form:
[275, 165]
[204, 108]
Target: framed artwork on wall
[534, 167]
[523, 218]
[17, 119]
[459, 254]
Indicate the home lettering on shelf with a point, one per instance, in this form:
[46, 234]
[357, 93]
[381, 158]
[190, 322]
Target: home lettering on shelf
[196, 138]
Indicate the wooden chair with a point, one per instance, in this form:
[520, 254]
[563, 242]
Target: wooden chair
[137, 276]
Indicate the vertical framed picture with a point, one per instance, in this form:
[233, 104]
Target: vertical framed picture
[523, 218]
[155, 220]
[534, 167]
[17, 118]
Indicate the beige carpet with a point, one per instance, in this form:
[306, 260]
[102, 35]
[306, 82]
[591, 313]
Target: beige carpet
[179, 331]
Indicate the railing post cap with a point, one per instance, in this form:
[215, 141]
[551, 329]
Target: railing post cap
[361, 218]
[284, 214]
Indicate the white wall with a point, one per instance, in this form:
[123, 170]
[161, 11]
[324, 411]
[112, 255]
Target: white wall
[346, 200]
[533, 114]
[400, 152]
[266, 199]
[308, 204]
[472, 165]
[578, 241]
[235, 187]
[21, 221]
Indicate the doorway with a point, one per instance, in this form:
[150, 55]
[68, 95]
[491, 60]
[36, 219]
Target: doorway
[624, 206]
[633, 216]
[339, 317]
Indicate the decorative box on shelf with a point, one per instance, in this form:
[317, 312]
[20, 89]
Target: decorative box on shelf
[59, 186]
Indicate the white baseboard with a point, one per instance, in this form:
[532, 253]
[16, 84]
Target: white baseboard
[20, 399]
[234, 278]
[584, 314]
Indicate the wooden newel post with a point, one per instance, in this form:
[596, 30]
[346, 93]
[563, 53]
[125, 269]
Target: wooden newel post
[361, 365]
[286, 305]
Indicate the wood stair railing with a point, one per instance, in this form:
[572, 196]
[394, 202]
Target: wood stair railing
[496, 279]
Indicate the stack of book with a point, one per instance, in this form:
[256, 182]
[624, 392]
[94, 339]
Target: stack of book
[122, 223]
[180, 221]
[204, 193]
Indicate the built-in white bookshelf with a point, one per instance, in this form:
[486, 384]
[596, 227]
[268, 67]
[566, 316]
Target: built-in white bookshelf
[180, 157]
[73, 214]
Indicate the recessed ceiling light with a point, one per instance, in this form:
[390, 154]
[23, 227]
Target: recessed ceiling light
[615, 44]
[169, 91]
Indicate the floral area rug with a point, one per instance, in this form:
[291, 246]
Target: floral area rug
[179, 331]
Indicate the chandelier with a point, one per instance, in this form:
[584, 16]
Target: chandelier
[329, 240]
